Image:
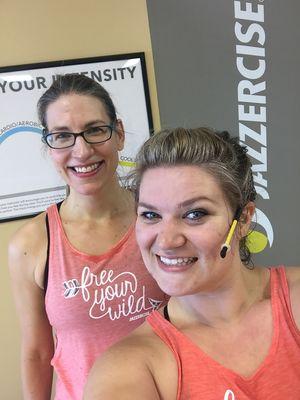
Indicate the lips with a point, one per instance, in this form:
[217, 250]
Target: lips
[175, 264]
[86, 169]
[177, 261]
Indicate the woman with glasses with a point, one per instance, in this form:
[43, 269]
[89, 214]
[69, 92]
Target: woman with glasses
[78, 277]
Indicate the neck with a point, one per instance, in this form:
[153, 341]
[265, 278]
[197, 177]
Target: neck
[107, 203]
[226, 305]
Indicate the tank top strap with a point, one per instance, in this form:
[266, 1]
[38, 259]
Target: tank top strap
[53, 217]
[56, 231]
[157, 322]
[279, 287]
[53, 227]
[165, 330]
[280, 294]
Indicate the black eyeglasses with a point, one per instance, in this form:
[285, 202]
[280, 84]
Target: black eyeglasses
[63, 140]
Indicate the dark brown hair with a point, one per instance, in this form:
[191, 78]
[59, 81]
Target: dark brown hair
[78, 84]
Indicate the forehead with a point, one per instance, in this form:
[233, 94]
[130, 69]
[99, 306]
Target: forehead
[177, 184]
[75, 106]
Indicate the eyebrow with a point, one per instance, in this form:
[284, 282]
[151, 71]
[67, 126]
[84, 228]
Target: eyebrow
[184, 204]
[86, 126]
[194, 200]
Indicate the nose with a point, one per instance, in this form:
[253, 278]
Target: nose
[81, 148]
[171, 236]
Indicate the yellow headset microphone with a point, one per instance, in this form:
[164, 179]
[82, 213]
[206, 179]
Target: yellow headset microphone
[226, 246]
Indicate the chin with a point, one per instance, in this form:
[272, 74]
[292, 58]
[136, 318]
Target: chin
[175, 290]
[88, 190]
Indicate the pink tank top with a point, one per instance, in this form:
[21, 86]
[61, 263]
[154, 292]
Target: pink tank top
[92, 302]
[278, 377]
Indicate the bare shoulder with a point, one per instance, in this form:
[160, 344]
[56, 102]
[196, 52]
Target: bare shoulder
[26, 234]
[27, 249]
[129, 369]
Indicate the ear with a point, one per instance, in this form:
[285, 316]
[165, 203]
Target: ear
[120, 134]
[246, 219]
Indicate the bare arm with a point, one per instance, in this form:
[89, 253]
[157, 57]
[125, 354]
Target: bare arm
[121, 373]
[27, 255]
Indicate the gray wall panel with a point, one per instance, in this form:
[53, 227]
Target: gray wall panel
[194, 46]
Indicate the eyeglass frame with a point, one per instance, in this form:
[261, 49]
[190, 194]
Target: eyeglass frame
[46, 134]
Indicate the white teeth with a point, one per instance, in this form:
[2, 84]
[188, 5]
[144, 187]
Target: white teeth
[89, 168]
[177, 261]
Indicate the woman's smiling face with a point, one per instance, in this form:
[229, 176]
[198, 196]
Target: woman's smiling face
[85, 167]
[183, 220]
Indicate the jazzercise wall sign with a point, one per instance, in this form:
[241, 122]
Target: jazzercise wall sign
[252, 106]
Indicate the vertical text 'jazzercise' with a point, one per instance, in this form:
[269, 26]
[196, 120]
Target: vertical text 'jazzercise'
[252, 108]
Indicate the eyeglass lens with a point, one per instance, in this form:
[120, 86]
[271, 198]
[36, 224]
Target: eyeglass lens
[60, 140]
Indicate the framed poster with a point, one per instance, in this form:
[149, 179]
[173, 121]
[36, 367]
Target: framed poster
[29, 182]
